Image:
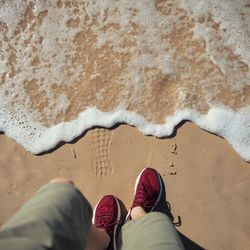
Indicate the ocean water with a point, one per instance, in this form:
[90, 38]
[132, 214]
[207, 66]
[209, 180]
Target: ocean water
[66, 66]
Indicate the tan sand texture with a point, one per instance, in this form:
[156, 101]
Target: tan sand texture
[207, 183]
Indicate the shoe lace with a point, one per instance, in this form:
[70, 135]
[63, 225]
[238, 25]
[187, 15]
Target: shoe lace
[106, 220]
[144, 197]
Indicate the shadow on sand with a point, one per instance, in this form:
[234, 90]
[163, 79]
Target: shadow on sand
[165, 207]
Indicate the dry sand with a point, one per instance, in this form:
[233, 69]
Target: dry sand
[210, 191]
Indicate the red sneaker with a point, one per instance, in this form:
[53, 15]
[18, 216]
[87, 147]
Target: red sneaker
[107, 216]
[148, 190]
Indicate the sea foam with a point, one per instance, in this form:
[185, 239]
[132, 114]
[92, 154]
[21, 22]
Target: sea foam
[231, 125]
[66, 66]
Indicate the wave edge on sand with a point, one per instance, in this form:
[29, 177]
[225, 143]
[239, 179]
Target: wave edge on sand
[231, 125]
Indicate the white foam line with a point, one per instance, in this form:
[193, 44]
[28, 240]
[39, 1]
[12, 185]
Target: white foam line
[231, 125]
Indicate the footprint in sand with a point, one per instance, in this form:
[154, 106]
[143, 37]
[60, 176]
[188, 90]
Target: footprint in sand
[101, 163]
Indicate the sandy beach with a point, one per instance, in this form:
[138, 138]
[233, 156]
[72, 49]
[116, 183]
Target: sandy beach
[207, 183]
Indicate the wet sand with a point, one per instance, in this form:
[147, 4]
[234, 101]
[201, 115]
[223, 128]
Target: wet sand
[207, 183]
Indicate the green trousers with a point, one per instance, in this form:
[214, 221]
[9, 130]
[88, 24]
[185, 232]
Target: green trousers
[59, 217]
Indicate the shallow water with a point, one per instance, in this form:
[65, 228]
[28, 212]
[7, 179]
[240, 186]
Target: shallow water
[148, 63]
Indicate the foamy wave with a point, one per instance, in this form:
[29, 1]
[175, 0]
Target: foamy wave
[231, 125]
[139, 62]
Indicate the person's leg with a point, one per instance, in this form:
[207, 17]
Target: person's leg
[58, 216]
[97, 239]
[146, 229]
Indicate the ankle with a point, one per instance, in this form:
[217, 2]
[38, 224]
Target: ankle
[104, 238]
[97, 239]
[137, 212]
